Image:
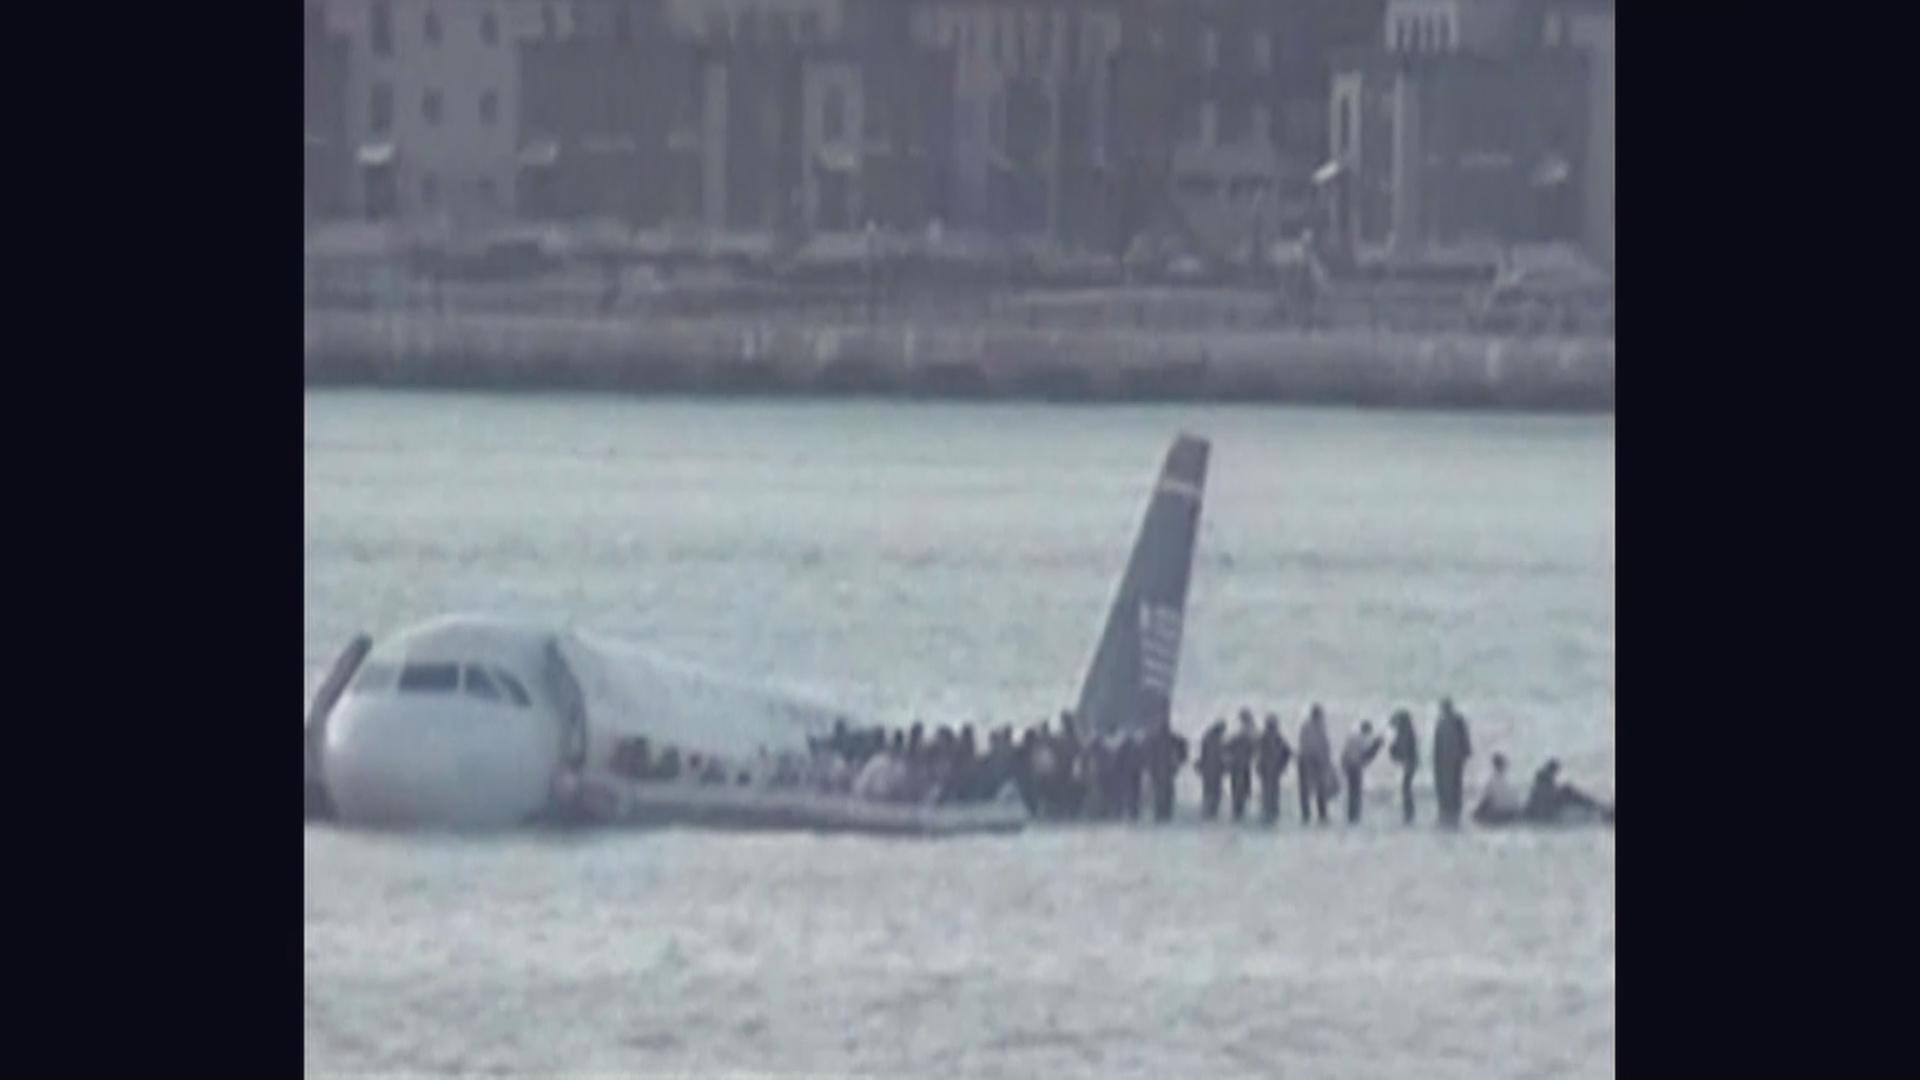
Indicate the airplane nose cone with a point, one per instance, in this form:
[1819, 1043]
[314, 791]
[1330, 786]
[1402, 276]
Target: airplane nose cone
[412, 767]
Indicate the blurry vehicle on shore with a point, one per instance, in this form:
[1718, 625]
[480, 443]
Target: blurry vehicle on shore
[506, 255]
[1568, 297]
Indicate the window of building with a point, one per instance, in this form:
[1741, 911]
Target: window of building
[430, 107]
[809, 27]
[1209, 123]
[623, 25]
[380, 108]
[1263, 52]
[489, 28]
[1209, 48]
[1345, 143]
[431, 27]
[429, 678]
[997, 122]
[382, 35]
[833, 114]
[549, 22]
[489, 108]
[1197, 186]
[489, 196]
[1262, 124]
[430, 190]
[481, 685]
[1233, 123]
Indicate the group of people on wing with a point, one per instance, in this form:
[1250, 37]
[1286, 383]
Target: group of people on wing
[1063, 774]
[1265, 754]
[1059, 773]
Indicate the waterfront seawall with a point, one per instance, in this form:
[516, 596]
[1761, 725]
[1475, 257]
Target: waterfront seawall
[466, 350]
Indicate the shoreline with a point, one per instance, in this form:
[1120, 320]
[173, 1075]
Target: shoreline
[733, 356]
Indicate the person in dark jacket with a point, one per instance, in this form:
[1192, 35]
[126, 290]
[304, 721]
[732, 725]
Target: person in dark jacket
[1240, 764]
[1270, 764]
[1404, 752]
[1025, 771]
[1070, 792]
[1550, 798]
[1129, 762]
[1166, 754]
[1212, 764]
[1451, 749]
[1096, 780]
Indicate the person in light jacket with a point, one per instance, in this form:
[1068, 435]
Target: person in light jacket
[1319, 783]
[1360, 749]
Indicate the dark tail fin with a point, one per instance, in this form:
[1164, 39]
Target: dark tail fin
[1129, 686]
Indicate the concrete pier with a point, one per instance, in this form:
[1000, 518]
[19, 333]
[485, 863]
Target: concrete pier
[466, 350]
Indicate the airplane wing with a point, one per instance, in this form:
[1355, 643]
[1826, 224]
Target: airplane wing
[629, 690]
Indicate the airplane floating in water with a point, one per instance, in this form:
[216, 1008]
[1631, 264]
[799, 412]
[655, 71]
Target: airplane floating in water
[468, 722]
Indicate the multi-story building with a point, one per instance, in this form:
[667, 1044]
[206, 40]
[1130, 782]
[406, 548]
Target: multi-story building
[1082, 122]
[1024, 147]
[1587, 26]
[1223, 112]
[432, 92]
[599, 98]
[758, 117]
[1461, 128]
[328, 153]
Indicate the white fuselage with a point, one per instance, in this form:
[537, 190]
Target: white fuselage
[450, 725]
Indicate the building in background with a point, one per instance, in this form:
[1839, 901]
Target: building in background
[1022, 149]
[432, 92]
[1463, 130]
[599, 98]
[1222, 113]
[329, 154]
[1227, 124]
[1587, 26]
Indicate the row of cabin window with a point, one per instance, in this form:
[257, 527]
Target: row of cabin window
[443, 678]
[380, 108]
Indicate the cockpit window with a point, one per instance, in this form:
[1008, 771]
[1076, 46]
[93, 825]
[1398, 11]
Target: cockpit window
[429, 678]
[481, 685]
[374, 678]
[514, 690]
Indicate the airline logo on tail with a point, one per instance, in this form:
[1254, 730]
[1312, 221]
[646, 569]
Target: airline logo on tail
[1159, 647]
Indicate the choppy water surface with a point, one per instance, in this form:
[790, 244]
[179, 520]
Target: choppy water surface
[955, 562]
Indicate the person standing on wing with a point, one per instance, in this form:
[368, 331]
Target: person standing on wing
[1451, 749]
[1360, 749]
[1404, 752]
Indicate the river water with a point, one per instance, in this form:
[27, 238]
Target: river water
[954, 562]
